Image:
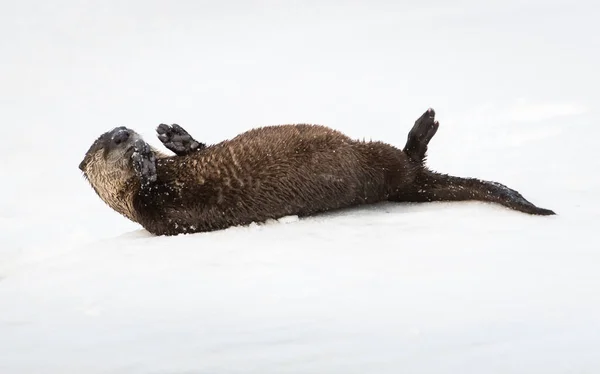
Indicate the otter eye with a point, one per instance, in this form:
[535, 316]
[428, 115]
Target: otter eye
[121, 137]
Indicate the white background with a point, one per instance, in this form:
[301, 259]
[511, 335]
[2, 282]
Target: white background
[430, 288]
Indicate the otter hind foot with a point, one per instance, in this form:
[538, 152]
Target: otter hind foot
[144, 162]
[177, 140]
[420, 135]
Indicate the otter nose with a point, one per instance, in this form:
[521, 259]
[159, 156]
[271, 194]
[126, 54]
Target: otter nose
[121, 136]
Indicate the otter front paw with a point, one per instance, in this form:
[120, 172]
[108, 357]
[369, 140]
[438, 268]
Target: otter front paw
[144, 162]
[177, 140]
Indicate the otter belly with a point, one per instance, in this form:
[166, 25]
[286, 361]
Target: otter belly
[225, 193]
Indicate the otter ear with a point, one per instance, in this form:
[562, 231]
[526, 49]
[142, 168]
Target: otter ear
[82, 165]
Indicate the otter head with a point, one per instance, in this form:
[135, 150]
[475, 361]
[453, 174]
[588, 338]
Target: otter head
[108, 166]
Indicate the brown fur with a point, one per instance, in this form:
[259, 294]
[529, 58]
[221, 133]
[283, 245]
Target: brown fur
[271, 172]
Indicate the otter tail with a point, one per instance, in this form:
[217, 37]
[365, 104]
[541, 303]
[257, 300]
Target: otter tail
[442, 187]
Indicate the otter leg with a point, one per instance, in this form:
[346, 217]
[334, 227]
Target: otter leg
[441, 187]
[177, 140]
[430, 186]
[419, 136]
[144, 162]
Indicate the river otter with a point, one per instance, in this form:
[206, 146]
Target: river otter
[268, 173]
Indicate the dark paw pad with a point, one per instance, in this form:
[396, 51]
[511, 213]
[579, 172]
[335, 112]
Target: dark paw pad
[144, 162]
[425, 127]
[176, 139]
[420, 135]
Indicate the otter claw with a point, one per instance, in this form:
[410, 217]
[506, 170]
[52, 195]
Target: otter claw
[144, 162]
[177, 140]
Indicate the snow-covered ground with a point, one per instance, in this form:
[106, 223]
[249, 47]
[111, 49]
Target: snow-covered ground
[393, 288]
